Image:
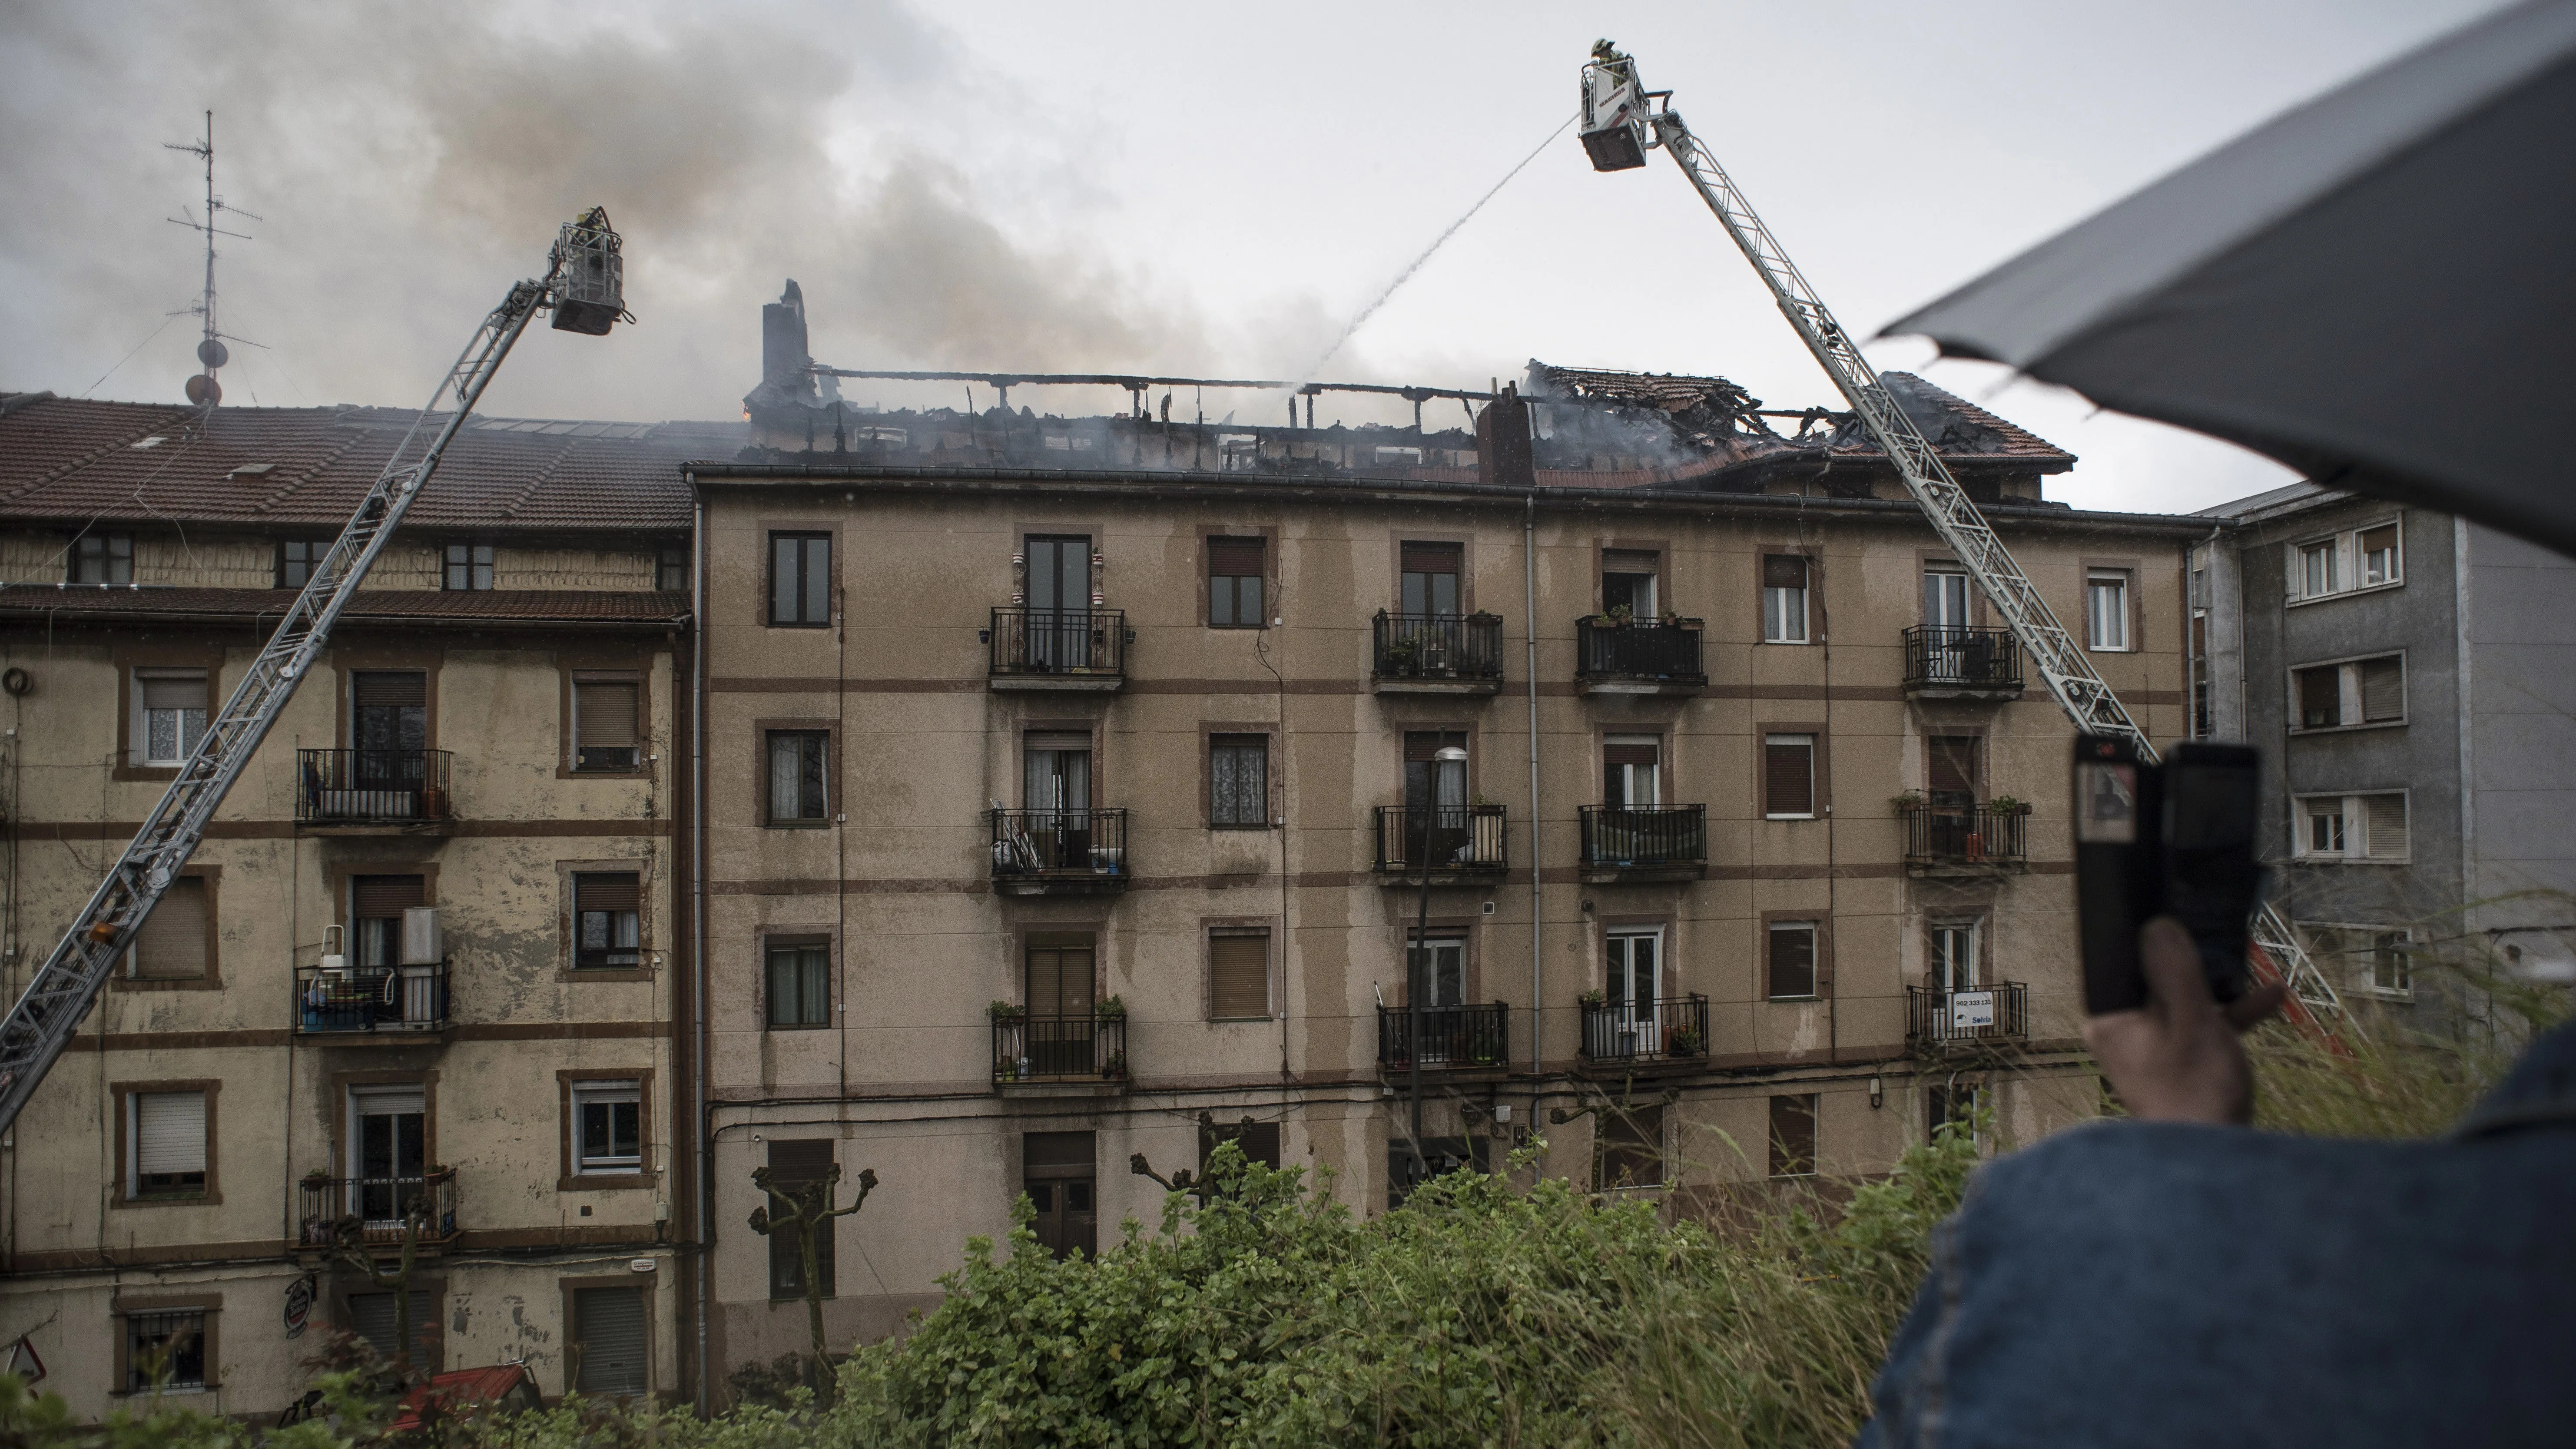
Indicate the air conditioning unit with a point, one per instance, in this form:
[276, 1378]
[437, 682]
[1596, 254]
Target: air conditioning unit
[423, 943]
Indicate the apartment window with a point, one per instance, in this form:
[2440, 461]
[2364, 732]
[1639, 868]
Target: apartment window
[2376, 959]
[376, 906]
[469, 566]
[1789, 777]
[2106, 611]
[172, 945]
[103, 558]
[801, 1165]
[1234, 583]
[1628, 583]
[1627, 1148]
[608, 1126]
[608, 1341]
[796, 776]
[1793, 1135]
[1954, 957]
[165, 1350]
[1793, 960]
[1428, 587]
[1239, 780]
[2365, 558]
[1784, 598]
[607, 911]
[377, 1319]
[1059, 1173]
[169, 715]
[2356, 692]
[1258, 1141]
[800, 986]
[800, 580]
[165, 1133]
[671, 568]
[2370, 827]
[1238, 975]
[1950, 1107]
[1945, 597]
[1632, 771]
[296, 560]
[607, 734]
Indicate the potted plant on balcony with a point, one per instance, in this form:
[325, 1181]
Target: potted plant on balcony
[1112, 1009]
[1621, 615]
[1116, 1067]
[1594, 999]
[1007, 1011]
[1905, 800]
[1683, 1042]
[1401, 653]
[2007, 805]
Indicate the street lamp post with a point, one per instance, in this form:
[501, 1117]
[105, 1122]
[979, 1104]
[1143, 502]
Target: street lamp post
[1418, 960]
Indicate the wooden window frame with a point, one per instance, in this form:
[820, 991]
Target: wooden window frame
[107, 560]
[569, 1176]
[761, 730]
[568, 918]
[213, 979]
[769, 939]
[492, 569]
[1397, 538]
[577, 672]
[1269, 536]
[209, 1305]
[1211, 927]
[766, 601]
[122, 1194]
[1819, 757]
[1267, 732]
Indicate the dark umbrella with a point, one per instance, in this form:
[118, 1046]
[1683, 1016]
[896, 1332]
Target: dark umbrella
[2377, 288]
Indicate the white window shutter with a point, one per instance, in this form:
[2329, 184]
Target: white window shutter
[170, 1132]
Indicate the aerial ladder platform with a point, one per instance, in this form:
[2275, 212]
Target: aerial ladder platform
[584, 287]
[1620, 122]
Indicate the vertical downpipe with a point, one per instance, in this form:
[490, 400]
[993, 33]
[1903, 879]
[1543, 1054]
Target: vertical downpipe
[698, 909]
[1529, 609]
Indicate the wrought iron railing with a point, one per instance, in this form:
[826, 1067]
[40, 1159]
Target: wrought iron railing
[1060, 1048]
[372, 787]
[388, 999]
[1059, 843]
[1454, 1038]
[1997, 1012]
[1668, 1028]
[372, 1210]
[1644, 835]
[1965, 835]
[1644, 649]
[1438, 646]
[1948, 656]
[1458, 837]
[1074, 642]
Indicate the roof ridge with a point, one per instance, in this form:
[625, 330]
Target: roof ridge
[123, 440]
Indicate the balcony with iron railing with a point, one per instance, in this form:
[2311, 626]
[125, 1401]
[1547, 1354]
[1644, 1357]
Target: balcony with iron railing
[373, 791]
[395, 1004]
[1082, 650]
[1464, 1038]
[1644, 842]
[376, 1212]
[1436, 654]
[1668, 1032]
[1967, 839]
[1043, 1055]
[1968, 1018]
[1059, 852]
[1458, 840]
[1639, 656]
[1952, 662]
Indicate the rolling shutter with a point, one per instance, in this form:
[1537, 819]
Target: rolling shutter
[1784, 571]
[1630, 561]
[2320, 697]
[172, 943]
[608, 1332]
[169, 692]
[2387, 817]
[1789, 775]
[1239, 976]
[1630, 752]
[169, 1132]
[607, 892]
[2383, 689]
[1430, 558]
[1421, 745]
[1077, 741]
[1235, 557]
[384, 897]
[604, 714]
[373, 688]
[1953, 761]
[1793, 960]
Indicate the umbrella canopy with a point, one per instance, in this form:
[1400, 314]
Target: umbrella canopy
[2377, 288]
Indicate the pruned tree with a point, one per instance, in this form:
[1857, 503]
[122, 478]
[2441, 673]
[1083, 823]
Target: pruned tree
[805, 1210]
[349, 1249]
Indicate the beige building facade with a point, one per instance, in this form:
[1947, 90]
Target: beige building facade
[424, 968]
[1058, 815]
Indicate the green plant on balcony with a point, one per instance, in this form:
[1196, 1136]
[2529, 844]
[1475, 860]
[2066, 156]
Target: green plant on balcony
[1596, 998]
[1006, 1011]
[2007, 805]
[1111, 1010]
[1401, 653]
[1684, 1042]
[1115, 1067]
[1620, 615]
[1905, 800]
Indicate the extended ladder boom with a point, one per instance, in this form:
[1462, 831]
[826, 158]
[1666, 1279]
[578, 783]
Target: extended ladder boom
[1617, 114]
[582, 277]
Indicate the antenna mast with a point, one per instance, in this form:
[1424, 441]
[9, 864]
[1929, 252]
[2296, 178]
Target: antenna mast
[203, 390]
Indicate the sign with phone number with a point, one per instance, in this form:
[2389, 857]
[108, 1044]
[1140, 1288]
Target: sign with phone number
[1971, 1009]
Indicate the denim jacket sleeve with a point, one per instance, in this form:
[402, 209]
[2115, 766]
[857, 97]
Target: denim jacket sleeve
[2128, 1283]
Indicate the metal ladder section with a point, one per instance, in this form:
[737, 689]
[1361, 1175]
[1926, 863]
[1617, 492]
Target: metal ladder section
[2079, 690]
[61, 992]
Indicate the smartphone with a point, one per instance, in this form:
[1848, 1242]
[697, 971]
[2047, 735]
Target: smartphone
[2175, 839]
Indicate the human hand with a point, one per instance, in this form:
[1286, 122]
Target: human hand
[2176, 1059]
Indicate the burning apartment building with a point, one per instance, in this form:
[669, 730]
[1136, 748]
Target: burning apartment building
[1078, 786]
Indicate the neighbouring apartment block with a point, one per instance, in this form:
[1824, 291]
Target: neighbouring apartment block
[1075, 786]
[2408, 676]
[423, 976]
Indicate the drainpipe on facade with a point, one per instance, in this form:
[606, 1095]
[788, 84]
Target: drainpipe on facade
[1529, 610]
[698, 910]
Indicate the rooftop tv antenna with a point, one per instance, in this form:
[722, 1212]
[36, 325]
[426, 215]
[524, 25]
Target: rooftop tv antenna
[203, 390]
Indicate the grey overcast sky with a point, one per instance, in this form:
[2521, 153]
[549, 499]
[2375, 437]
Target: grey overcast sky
[1177, 187]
